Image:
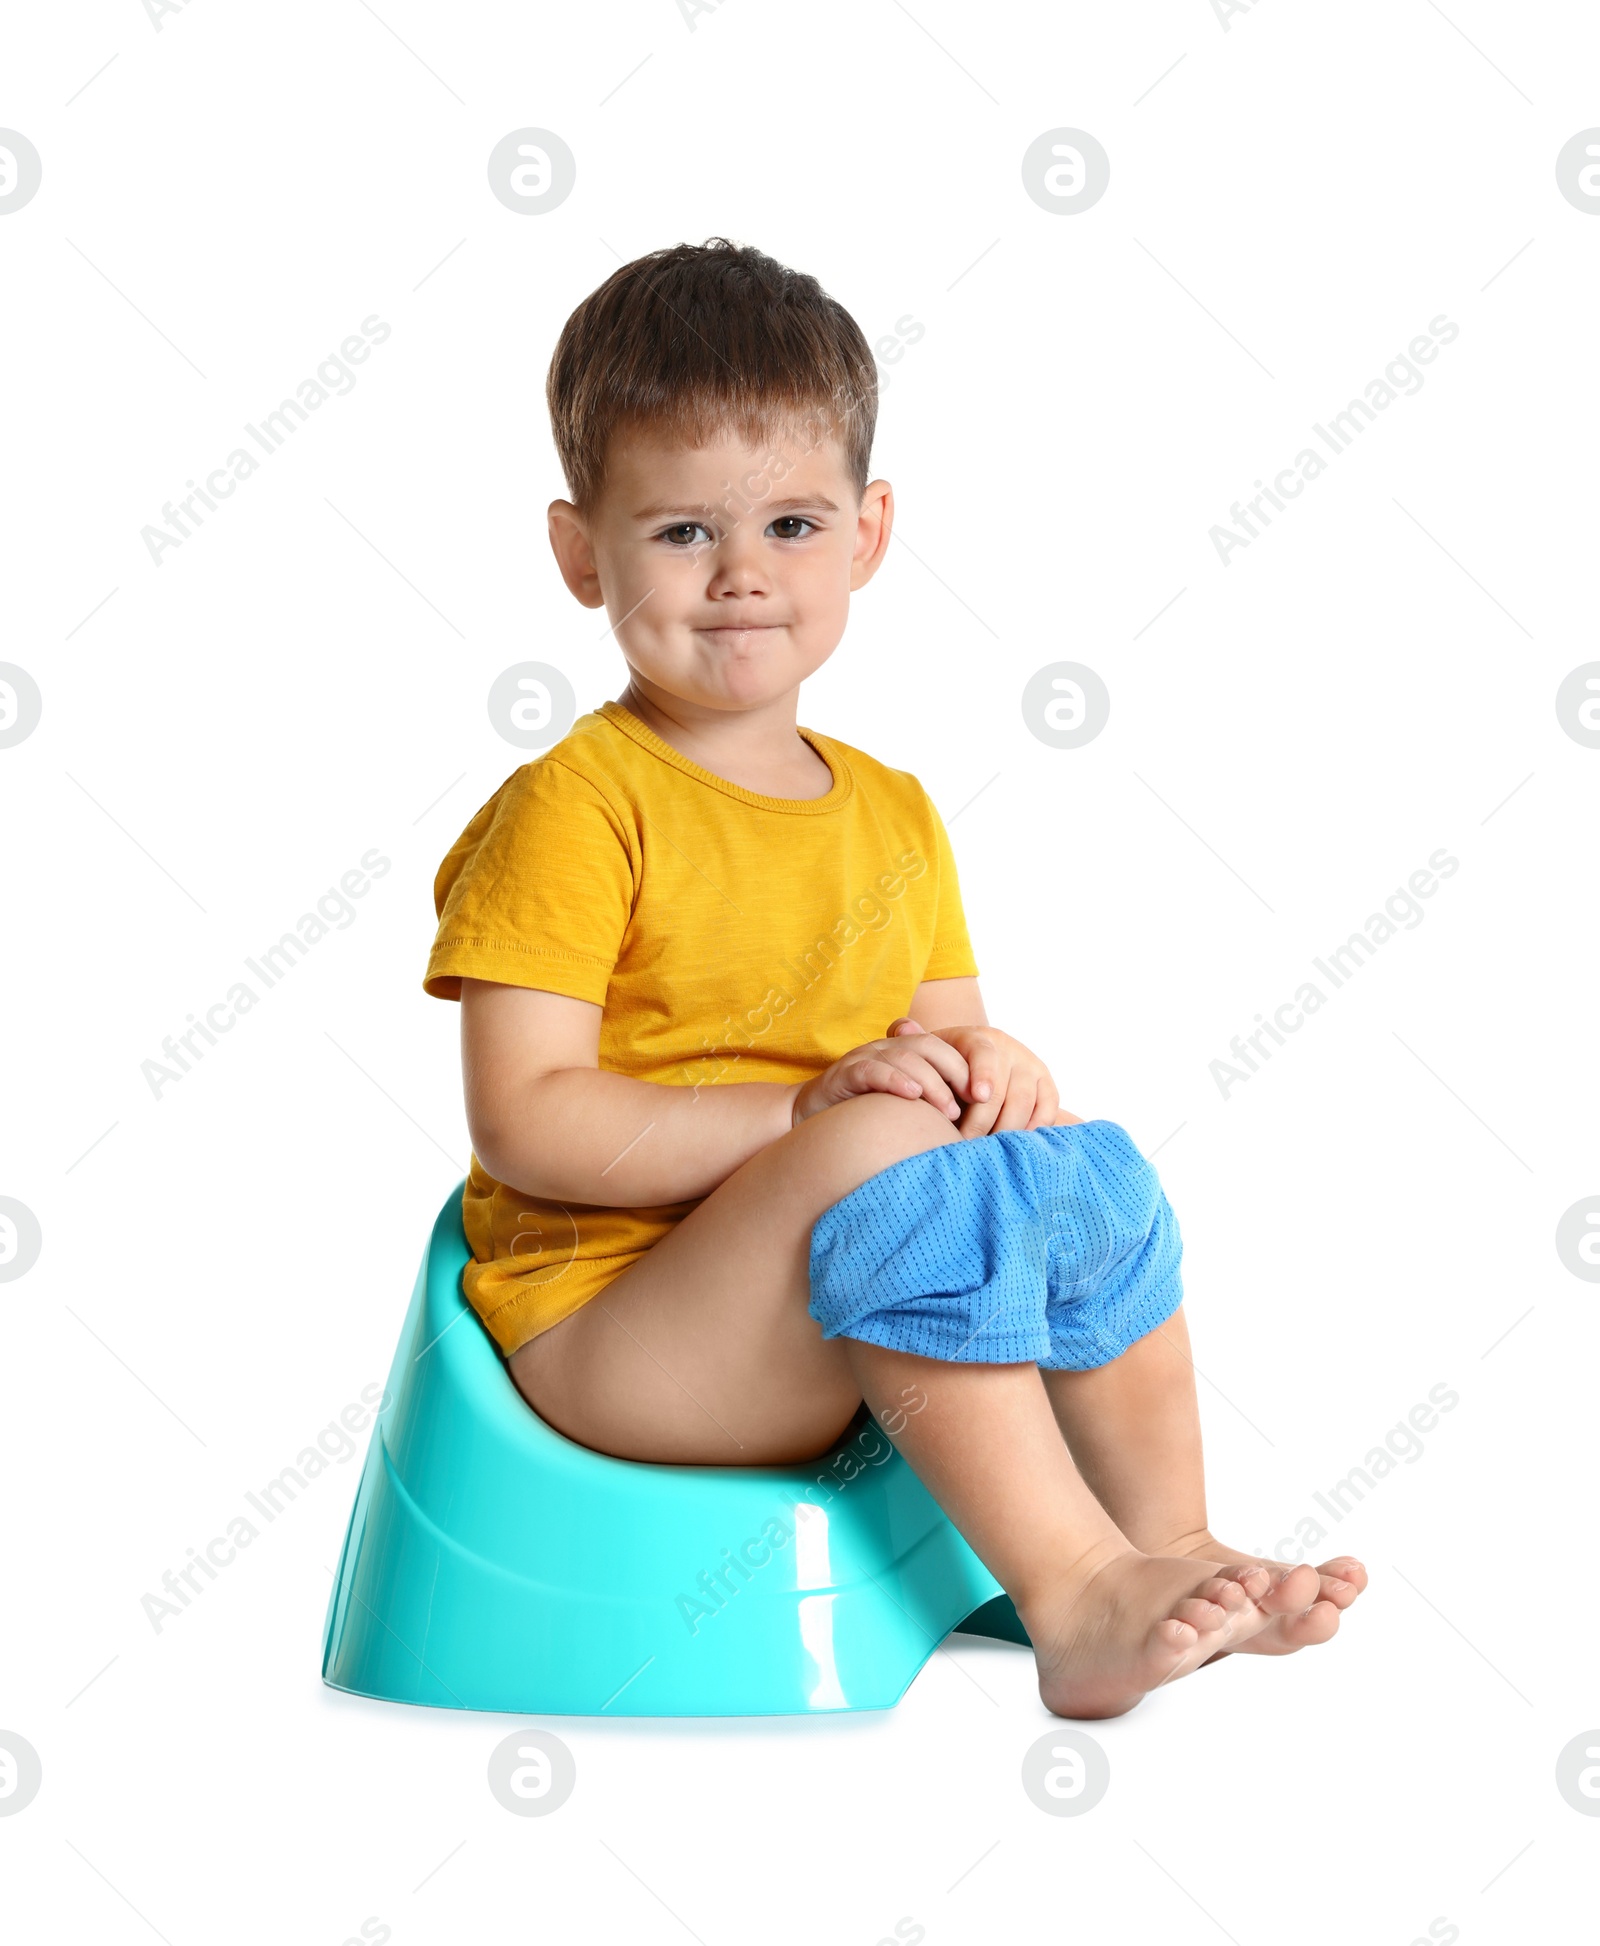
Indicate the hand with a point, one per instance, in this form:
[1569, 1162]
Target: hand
[1008, 1085]
[931, 1070]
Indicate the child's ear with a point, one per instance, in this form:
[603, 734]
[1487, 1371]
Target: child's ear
[569, 542]
[873, 525]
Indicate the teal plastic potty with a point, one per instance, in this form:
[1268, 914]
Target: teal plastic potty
[491, 1564]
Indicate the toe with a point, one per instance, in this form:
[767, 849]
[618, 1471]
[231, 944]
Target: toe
[1230, 1592]
[1247, 1618]
[1254, 1577]
[1205, 1617]
[1294, 1590]
[1343, 1579]
[1172, 1649]
[1318, 1623]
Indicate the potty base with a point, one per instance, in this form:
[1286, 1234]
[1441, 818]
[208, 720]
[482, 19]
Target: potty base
[492, 1564]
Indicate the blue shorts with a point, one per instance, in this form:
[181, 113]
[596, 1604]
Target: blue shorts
[1052, 1246]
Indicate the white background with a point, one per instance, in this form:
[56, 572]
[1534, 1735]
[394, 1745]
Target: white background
[1373, 1214]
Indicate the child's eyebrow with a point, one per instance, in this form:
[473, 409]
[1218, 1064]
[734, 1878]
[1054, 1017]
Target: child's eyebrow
[774, 509]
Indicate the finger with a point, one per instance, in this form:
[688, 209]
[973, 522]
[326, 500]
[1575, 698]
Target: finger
[983, 1058]
[904, 1024]
[1021, 1090]
[874, 1075]
[1045, 1104]
[1066, 1119]
[979, 1117]
[934, 1086]
[949, 1062]
[919, 1078]
[908, 1077]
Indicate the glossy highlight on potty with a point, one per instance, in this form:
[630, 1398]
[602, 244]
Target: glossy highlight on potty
[492, 1564]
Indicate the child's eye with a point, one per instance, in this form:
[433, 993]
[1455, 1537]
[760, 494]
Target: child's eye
[682, 534]
[792, 520]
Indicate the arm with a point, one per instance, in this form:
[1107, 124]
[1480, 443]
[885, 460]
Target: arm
[545, 1118]
[938, 1004]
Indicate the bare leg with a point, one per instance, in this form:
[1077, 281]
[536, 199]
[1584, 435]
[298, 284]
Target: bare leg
[704, 1352]
[1134, 1429]
[1107, 1622]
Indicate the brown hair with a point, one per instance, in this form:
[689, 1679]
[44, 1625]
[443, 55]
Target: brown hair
[697, 338]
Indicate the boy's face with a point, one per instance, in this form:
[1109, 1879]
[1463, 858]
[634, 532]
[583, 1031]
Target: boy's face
[726, 569]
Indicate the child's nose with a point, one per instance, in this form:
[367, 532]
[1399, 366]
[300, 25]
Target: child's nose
[738, 566]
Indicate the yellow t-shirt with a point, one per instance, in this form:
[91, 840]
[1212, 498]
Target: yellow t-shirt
[728, 937]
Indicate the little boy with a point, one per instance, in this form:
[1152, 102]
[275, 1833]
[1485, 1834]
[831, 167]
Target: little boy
[715, 978]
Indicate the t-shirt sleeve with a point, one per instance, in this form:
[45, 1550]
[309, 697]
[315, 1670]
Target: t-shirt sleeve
[951, 956]
[536, 892]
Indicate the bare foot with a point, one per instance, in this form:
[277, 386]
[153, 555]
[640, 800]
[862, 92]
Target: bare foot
[1304, 1613]
[1134, 1621]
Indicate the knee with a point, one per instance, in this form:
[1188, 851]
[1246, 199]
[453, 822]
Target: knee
[893, 1122]
[857, 1138]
